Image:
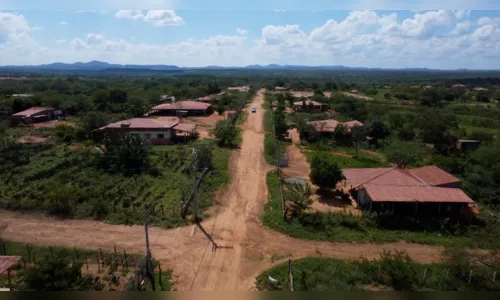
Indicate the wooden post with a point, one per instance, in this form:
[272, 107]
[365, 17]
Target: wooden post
[76, 253]
[378, 271]
[356, 274]
[290, 274]
[98, 262]
[425, 275]
[87, 263]
[470, 277]
[494, 275]
[9, 283]
[102, 256]
[51, 252]
[29, 252]
[159, 277]
[24, 262]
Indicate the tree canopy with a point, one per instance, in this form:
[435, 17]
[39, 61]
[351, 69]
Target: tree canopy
[325, 172]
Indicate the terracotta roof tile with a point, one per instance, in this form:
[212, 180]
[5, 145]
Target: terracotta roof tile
[143, 123]
[434, 175]
[31, 111]
[183, 105]
[6, 262]
[381, 193]
[358, 176]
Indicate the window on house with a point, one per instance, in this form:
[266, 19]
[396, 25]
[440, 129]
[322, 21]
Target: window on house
[161, 136]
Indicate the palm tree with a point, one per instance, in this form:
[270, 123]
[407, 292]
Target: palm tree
[298, 197]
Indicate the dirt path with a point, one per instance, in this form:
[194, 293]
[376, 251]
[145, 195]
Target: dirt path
[248, 248]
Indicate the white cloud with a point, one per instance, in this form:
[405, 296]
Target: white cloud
[61, 41]
[130, 14]
[162, 18]
[241, 31]
[435, 39]
[158, 18]
[63, 23]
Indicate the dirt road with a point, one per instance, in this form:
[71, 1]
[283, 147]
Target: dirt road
[247, 248]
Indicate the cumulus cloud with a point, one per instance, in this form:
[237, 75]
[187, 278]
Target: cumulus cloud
[63, 23]
[159, 18]
[436, 39]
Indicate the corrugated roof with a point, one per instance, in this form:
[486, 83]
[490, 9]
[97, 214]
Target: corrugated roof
[380, 176]
[353, 123]
[185, 127]
[434, 175]
[183, 105]
[7, 262]
[381, 193]
[143, 123]
[31, 111]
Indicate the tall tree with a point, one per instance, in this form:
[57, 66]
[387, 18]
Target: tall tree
[358, 134]
[405, 153]
[325, 172]
[225, 133]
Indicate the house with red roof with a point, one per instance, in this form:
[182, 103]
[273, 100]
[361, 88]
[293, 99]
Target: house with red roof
[309, 105]
[428, 189]
[183, 108]
[33, 115]
[157, 131]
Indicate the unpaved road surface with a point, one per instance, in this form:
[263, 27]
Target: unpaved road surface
[246, 249]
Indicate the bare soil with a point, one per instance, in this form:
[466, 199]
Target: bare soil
[204, 125]
[31, 139]
[245, 247]
[52, 124]
[366, 98]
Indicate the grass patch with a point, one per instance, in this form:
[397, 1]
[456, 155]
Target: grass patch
[340, 227]
[363, 160]
[396, 273]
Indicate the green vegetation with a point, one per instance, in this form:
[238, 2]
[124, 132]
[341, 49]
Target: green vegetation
[83, 182]
[380, 228]
[63, 269]
[325, 171]
[395, 271]
[225, 132]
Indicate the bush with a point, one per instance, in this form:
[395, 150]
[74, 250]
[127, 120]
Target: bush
[325, 172]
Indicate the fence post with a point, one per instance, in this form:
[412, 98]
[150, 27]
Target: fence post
[29, 252]
[290, 275]
[494, 275]
[425, 275]
[76, 253]
[98, 262]
[51, 252]
[357, 268]
[470, 277]
[378, 271]
[159, 277]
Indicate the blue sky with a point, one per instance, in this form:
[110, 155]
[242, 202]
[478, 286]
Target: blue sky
[228, 33]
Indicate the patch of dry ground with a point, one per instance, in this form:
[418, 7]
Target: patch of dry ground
[366, 98]
[31, 139]
[248, 248]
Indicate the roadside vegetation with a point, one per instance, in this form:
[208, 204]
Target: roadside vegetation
[395, 271]
[64, 269]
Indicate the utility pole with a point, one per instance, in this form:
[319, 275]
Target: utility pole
[195, 176]
[149, 263]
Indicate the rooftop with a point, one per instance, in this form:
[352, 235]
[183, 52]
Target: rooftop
[31, 111]
[7, 262]
[308, 102]
[183, 105]
[434, 175]
[330, 124]
[143, 123]
[379, 193]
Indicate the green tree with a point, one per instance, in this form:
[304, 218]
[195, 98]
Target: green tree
[93, 120]
[125, 153]
[404, 153]
[325, 172]
[439, 130]
[53, 274]
[377, 130]
[225, 132]
[280, 125]
[358, 134]
[298, 197]
[137, 106]
[101, 99]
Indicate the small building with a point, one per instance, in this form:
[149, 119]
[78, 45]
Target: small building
[230, 114]
[429, 189]
[165, 98]
[244, 88]
[184, 108]
[33, 115]
[206, 99]
[157, 131]
[6, 264]
[467, 145]
[458, 86]
[281, 88]
[309, 105]
[329, 126]
[480, 89]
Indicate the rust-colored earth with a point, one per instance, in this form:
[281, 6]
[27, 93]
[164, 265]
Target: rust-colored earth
[248, 248]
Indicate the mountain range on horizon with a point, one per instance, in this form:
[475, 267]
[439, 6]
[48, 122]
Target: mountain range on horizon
[100, 66]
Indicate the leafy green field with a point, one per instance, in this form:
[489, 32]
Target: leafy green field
[371, 228]
[363, 160]
[64, 182]
[394, 272]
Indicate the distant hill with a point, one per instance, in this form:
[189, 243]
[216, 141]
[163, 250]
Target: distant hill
[100, 66]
